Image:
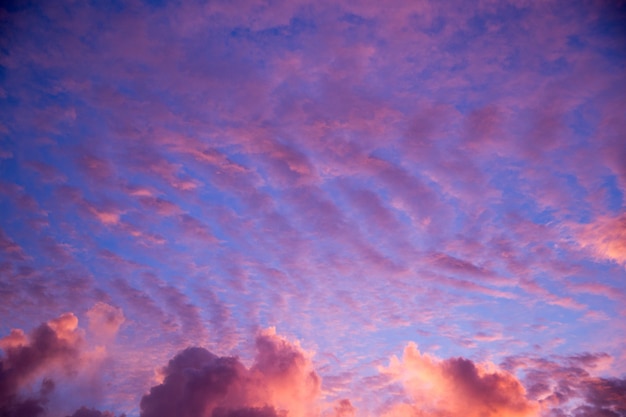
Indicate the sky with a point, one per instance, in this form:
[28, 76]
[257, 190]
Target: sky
[346, 208]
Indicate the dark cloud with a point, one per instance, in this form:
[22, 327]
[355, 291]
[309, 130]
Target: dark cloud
[55, 349]
[33, 406]
[281, 382]
[496, 390]
[198, 383]
[248, 412]
[195, 381]
[565, 385]
[604, 398]
[53, 343]
[91, 412]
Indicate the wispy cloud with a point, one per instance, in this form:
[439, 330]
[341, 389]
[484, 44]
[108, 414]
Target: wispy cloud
[357, 175]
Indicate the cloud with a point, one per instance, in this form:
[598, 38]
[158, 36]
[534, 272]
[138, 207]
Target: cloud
[91, 412]
[287, 372]
[248, 412]
[195, 382]
[456, 387]
[198, 383]
[316, 165]
[15, 339]
[53, 345]
[51, 369]
[37, 369]
[344, 409]
[605, 237]
[105, 320]
[604, 397]
[567, 386]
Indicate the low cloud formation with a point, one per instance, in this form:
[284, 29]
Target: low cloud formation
[90, 412]
[456, 387]
[248, 412]
[105, 320]
[565, 386]
[32, 406]
[53, 345]
[281, 381]
[54, 354]
[604, 398]
[196, 382]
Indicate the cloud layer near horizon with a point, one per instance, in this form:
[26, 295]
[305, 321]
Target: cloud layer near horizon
[357, 175]
[282, 381]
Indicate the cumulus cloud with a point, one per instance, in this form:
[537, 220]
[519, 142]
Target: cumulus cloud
[248, 412]
[105, 320]
[54, 355]
[282, 382]
[55, 344]
[286, 372]
[195, 382]
[199, 383]
[14, 339]
[456, 387]
[91, 412]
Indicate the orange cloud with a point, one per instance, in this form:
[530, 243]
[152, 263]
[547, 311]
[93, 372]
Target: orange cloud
[606, 237]
[15, 339]
[456, 387]
[287, 373]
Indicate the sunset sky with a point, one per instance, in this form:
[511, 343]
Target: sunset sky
[329, 208]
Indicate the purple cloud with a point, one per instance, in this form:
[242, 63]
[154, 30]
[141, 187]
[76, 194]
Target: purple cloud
[356, 175]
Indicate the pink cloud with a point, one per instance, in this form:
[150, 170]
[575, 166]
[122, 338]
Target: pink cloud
[105, 320]
[605, 237]
[456, 387]
[52, 370]
[567, 385]
[53, 345]
[344, 408]
[330, 167]
[194, 230]
[11, 249]
[196, 382]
